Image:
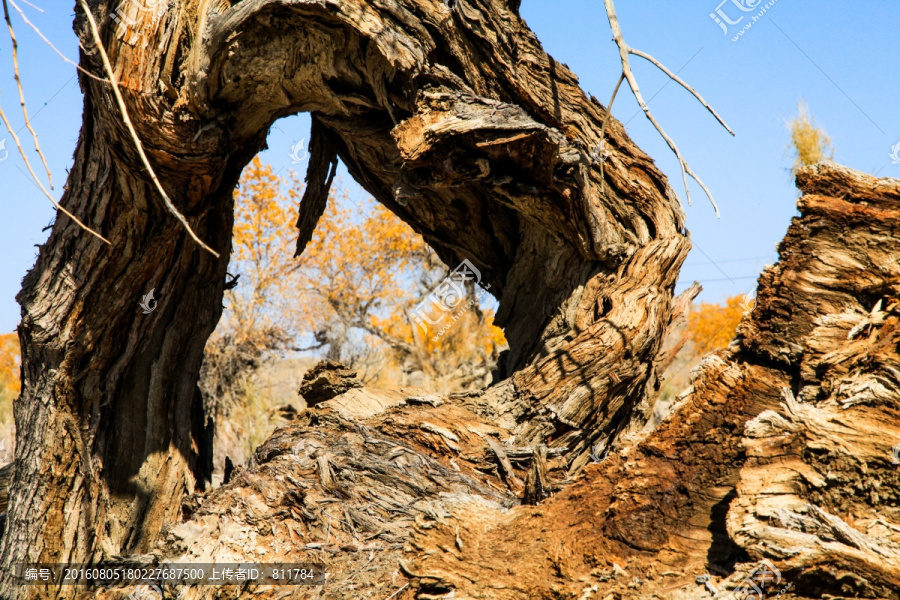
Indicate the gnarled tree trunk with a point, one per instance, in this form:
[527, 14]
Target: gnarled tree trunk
[453, 117]
[779, 451]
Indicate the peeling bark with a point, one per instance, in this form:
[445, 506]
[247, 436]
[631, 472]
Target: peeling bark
[454, 118]
[451, 116]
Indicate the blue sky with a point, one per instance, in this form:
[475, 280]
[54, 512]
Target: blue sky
[839, 57]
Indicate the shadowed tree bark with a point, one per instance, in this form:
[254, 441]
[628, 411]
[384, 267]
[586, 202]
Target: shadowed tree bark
[453, 117]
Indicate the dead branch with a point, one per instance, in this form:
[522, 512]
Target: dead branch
[319, 177]
[15, 61]
[601, 146]
[624, 51]
[49, 43]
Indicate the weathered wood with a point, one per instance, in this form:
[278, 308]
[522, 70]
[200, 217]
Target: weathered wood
[454, 118]
[326, 380]
[506, 468]
[319, 177]
[536, 487]
[741, 470]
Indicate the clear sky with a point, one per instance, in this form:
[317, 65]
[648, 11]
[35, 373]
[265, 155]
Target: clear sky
[840, 57]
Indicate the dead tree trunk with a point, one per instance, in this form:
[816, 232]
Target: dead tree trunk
[780, 451]
[451, 115]
[111, 425]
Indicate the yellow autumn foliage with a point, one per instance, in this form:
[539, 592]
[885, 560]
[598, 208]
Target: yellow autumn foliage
[9, 364]
[712, 326]
[10, 386]
[349, 295]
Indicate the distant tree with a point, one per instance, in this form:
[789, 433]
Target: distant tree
[10, 384]
[362, 309]
[712, 326]
[262, 298]
[809, 141]
[355, 311]
[9, 364]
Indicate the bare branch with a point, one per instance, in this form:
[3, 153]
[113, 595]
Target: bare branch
[41, 185]
[134, 136]
[49, 43]
[624, 51]
[683, 84]
[602, 145]
[37, 8]
[15, 60]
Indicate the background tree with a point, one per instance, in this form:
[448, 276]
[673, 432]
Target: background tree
[262, 303]
[362, 309]
[10, 387]
[329, 303]
[712, 325]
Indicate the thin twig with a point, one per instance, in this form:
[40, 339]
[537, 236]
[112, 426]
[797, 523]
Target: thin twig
[602, 145]
[683, 84]
[41, 185]
[127, 120]
[609, 108]
[15, 60]
[624, 51]
[37, 8]
[49, 43]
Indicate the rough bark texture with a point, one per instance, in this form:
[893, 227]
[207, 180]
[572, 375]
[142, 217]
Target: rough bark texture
[453, 117]
[326, 380]
[780, 450]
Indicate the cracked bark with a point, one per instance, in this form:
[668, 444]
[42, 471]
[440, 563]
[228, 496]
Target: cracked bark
[780, 450]
[454, 118]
